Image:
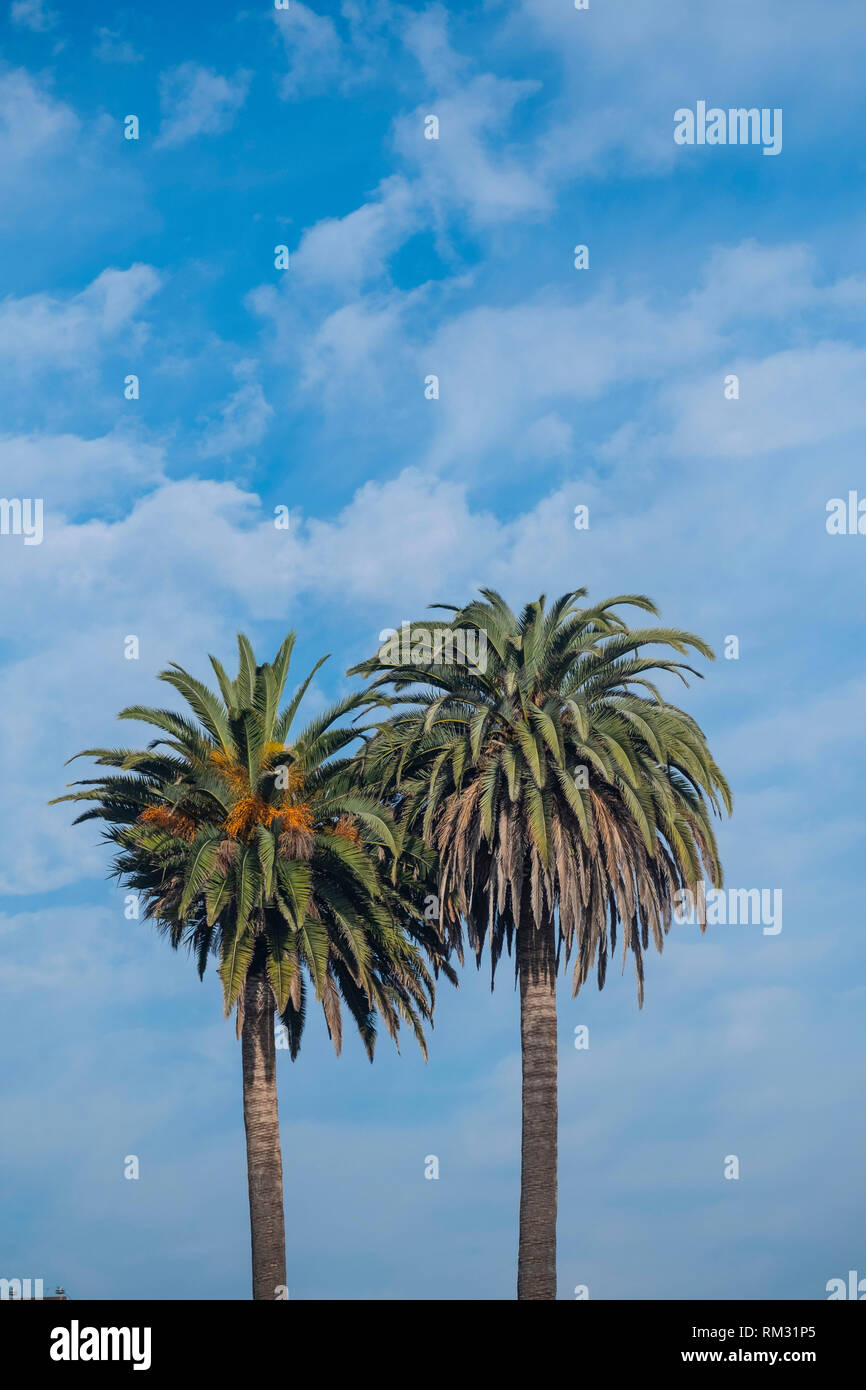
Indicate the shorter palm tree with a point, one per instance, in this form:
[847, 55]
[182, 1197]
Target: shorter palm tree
[265, 854]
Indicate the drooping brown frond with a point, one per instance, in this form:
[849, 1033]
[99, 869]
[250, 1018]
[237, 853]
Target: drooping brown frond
[347, 828]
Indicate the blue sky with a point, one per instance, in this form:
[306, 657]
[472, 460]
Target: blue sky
[558, 387]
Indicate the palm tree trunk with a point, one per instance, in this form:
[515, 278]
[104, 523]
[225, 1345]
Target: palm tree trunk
[536, 1259]
[262, 1125]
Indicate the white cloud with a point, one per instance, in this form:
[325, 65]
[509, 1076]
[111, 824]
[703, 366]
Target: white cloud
[31, 119]
[32, 14]
[63, 181]
[71, 473]
[501, 369]
[314, 51]
[624, 80]
[197, 101]
[471, 170]
[835, 720]
[347, 348]
[111, 47]
[514, 379]
[348, 251]
[42, 329]
[425, 35]
[547, 437]
[243, 419]
[95, 947]
[420, 528]
[788, 400]
[752, 281]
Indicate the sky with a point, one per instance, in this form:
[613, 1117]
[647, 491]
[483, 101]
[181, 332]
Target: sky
[308, 388]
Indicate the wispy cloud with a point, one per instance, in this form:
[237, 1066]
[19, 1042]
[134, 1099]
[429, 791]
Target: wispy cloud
[33, 14]
[44, 328]
[317, 59]
[112, 47]
[198, 101]
[243, 418]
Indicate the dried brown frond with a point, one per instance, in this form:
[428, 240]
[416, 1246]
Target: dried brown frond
[295, 843]
[347, 827]
[226, 855]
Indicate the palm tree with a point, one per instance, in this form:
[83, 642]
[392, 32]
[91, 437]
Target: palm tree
[566, 800]
[261, 852]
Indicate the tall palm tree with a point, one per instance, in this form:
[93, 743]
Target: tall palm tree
[261, 852]
[566, 800]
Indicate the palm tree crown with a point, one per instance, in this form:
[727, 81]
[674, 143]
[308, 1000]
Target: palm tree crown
[557, 778]
[253, 848]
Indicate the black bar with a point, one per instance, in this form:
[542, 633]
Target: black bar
[652, 1336]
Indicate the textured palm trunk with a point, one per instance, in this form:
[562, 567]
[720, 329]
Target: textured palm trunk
[536, 1259]
[261, 1121]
